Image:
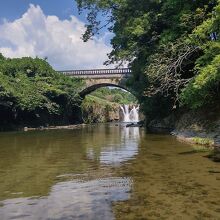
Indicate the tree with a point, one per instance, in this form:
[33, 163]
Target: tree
[159, 40]
[31, 86]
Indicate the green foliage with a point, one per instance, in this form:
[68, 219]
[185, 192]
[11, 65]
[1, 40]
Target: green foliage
[31, 85]
[204, 89]
[167, 45]
[202, 141]
[96, 109]
[91, 100]
[100, 104]
[115, 95]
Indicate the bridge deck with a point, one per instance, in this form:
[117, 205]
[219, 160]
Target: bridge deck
[121, 71]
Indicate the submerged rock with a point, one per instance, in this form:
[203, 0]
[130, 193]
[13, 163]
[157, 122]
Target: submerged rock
[134, 125]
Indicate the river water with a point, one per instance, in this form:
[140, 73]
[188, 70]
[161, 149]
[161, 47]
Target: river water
[105, 172]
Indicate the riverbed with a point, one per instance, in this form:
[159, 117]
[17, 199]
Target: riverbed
[105, 172]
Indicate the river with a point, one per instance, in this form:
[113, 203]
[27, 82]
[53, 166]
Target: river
[105, 172]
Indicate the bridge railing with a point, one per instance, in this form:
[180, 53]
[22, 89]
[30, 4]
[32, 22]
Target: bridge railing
[121, 71]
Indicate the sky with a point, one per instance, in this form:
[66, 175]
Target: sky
[52, 29]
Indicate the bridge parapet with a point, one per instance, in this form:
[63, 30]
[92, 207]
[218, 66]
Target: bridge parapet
[97, 78]
[98, 72]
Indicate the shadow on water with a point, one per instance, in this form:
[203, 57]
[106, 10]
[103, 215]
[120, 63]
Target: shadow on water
[188, 152]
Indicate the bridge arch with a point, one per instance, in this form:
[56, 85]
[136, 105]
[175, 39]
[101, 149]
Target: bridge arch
[98, 78]
[94, 87]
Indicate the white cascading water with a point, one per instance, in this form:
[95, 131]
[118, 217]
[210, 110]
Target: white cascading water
[134, 115]
[130, 116]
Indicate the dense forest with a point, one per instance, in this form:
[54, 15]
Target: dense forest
[172, 47]
[32, 93]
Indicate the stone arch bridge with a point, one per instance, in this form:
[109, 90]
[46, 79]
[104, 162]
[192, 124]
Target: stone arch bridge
[98, 78]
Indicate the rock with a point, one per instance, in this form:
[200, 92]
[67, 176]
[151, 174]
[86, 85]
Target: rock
[130, 125]
[141, 123]
[164, 125]
[134, 125]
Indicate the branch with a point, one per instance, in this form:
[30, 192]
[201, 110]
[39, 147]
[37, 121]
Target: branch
[166, 71]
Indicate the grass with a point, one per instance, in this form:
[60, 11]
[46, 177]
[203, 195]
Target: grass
[200, 148]
[94, 99]
[203, 141]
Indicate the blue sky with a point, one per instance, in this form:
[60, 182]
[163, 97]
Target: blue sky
[50, 28]
[13, 9]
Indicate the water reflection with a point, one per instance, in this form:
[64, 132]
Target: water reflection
[104, 172]
[60, 174]
[115, 154]
[123, 147]
[71, 200]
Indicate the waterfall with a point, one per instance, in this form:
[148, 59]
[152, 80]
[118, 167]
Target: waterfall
[126, 115]
[134, 115]
[130, 116]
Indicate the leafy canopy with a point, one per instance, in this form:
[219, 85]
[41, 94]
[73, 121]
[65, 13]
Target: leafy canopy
[31, 85]
[166, 43]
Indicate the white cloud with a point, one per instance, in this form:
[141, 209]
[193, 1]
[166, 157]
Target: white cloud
[35, 34]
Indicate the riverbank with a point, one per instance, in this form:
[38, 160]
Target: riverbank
[41, 128]
[209, 139]
[205, 142]
[201, 127]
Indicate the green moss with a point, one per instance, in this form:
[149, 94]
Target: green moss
[199, 148]
[203, 141]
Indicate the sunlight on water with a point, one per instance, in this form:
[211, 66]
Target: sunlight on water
[71, 200]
